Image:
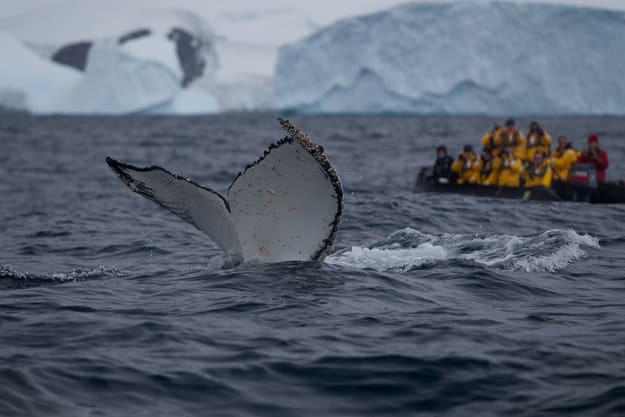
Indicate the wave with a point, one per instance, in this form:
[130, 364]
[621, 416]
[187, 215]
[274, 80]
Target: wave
[11, 278]
[408, 249]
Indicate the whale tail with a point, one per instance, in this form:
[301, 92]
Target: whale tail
[286, 206]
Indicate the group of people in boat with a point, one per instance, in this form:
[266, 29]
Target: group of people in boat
[510, 158]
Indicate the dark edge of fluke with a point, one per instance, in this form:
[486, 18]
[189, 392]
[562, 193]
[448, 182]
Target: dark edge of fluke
[318, 153]
[118, 167]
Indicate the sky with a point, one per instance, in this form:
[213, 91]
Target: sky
[14, 15]
[324, 11]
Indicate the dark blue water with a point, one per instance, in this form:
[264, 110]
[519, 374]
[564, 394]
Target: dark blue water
[429, 305]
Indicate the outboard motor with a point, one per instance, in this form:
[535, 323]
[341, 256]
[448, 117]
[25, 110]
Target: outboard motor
[582, 181]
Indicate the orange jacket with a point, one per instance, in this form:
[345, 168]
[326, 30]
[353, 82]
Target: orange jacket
[537, 143]
[561, 162]
[510, 172]
[539, 176]
[466, 168]
[516, 140]
[489, 171]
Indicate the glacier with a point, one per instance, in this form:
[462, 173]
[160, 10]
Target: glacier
[460, 58]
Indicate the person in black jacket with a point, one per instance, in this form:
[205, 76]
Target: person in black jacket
[441, 172]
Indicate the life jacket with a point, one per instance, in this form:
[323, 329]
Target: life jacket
[539, 176]
[507, 162]
[510, 172]
[539, 171]
[487, 168]
[514, 141]
[466, 168]
[468, 163]
[561, 162]
[489, 171]
[558, 153]
[535, 140]
[491, 139]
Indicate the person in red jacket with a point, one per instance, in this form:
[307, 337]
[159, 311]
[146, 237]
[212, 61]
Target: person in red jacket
[595, 156]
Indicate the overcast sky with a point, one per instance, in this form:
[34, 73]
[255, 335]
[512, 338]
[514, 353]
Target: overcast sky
[322, 10]
[58, 21]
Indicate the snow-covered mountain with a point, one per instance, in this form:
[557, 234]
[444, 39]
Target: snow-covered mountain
[490, 58]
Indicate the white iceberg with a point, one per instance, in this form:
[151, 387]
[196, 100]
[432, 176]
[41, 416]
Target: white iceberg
[460, 58]
[115, 82]
[155, 48]
[238, 42]
[189, 102]
[29, 82]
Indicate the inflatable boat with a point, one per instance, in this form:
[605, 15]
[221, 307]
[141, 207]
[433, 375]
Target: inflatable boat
[582, 186]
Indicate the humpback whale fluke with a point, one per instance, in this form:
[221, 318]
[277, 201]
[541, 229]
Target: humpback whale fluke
[286, 206]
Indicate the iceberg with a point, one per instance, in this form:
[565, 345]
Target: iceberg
[460, 58]
[115, 82]
[29, 82]
[189, 103]
[155, 48]
[226, 52]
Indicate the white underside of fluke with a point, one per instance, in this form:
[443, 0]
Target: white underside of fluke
[284, 207]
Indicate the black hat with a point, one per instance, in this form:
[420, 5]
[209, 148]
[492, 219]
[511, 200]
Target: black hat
[510, 122]
[468, 148]
[441, 148]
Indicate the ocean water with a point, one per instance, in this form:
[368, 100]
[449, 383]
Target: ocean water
[429, 304]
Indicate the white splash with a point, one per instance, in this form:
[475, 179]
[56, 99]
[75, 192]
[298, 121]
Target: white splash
[562, 257]
[405, 249]
[391, 259]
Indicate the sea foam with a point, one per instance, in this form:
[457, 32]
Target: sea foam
[408, 248]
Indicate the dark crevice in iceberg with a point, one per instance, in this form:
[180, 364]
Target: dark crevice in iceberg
[73, 55]
[188, 50]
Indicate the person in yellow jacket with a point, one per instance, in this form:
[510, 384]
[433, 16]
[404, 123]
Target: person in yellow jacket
[492, 140]
[563, 158]
[465, 167]
[510, 169]
[488, 167]
[539, 173]
[538, 141]
[513, 137]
